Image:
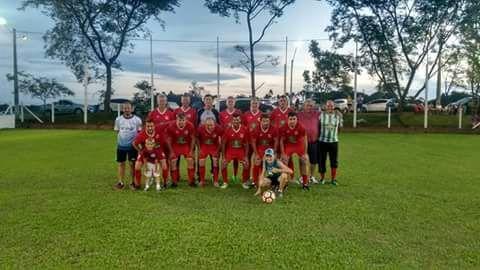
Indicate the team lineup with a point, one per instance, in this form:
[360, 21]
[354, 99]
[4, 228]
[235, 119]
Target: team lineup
[263, 144]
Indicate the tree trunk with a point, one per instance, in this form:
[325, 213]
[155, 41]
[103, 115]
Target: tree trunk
[252, 56]
[108, 90]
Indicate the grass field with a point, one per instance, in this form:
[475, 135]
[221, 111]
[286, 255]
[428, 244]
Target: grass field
[404, 201]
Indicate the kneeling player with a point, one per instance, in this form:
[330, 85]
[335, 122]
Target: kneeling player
[209, 143]
[275, 174]
[235, 148]
[153, 158]
[181, 142]
[263, 137]
[139, 144]
[293, 140]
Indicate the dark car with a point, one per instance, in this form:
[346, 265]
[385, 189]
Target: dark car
[243, 104]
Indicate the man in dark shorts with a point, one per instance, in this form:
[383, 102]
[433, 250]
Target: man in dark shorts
[127, 126]
[309, 118]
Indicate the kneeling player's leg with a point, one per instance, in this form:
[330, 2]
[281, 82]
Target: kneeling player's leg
[225, 163]
[283, 180]
[245, 170]
[174, 170]
[138, 173]
[303, 168]
[263, 184]
[191, 170]
[215, 169]
[164, 167]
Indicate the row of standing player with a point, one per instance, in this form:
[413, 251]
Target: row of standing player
[236, 138]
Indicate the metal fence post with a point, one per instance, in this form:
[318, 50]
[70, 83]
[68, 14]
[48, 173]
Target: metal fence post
[118, 110]
[460, 115]
[389, 116]
[53, 112]
[22, 115]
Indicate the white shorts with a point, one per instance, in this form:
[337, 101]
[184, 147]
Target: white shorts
[151, 170]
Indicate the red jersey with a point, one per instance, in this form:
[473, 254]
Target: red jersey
[279, 118]
[235, 141]
[180, 137]
[293, 138]
[142, 136]
[161, 118]
[209, 139]
[264, 139]
[190, 113]
[226, 117]
[151, 156]
[251, 120]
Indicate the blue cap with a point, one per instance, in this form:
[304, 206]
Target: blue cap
[269, 152]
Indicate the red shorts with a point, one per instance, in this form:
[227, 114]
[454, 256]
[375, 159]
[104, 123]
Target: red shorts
[232, 154]
[181, 150]
[300, 151]
[208, 150]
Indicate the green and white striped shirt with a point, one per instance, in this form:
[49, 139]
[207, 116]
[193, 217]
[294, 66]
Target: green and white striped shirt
[329, 123]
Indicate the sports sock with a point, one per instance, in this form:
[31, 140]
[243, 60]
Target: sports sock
[215, 174]
[138, 177]
[175, 176]
[245, 174]
[224, 175]
[334, 173]
[256, 174]
[165, 176]
[191, 175]
[304, 179]
[201, 171]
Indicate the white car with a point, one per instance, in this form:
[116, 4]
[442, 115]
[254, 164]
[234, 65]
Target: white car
[377, 105]
[341, 104]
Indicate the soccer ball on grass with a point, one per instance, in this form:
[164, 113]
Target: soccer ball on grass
[268, 196]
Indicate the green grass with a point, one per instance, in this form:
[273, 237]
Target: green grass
[404, 201]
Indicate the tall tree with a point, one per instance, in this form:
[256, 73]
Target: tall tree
[395, 36]
[91, 32]
[252, 11]
[41, 87]
[332, 70]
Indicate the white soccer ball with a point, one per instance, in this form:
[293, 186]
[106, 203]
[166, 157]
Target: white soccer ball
[268, 196]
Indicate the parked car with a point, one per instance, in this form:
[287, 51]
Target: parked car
[341, 104]
[243, 104]
[379, 105]
[65, 106]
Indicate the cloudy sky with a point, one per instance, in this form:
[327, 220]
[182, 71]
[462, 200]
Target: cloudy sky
[176, 64]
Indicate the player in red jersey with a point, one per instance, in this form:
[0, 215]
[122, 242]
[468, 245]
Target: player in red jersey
[181, 142]
[227, 114]
[279, 115]
[265, 136]
[209, 137]
[151, 157]
[251, 119]
[162, 115]
[185, 108]
[235, 143]
[293, 140]
[149, 132]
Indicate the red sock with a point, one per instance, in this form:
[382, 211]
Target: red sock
[138, 177]
[304, 179]
[224, 175]
[175, 176]
[215, 174]
[245, 174]
[322, 175]
[256, 174]
[165, 176]
[334, 173]
[201, 171]
[191, 175]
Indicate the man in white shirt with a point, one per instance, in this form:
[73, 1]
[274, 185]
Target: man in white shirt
[127, 126]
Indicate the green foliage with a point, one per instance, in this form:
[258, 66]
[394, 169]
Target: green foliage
[95, 32]
[396, 36]
[332, 70]
[401, 204]
[40, 87]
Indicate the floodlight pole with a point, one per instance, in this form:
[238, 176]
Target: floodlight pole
[355, 86]
[218, 67]
[85, 100]
[291, 72]
[285, 66]
[152, 96]
[425, 109]
[15, 73]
